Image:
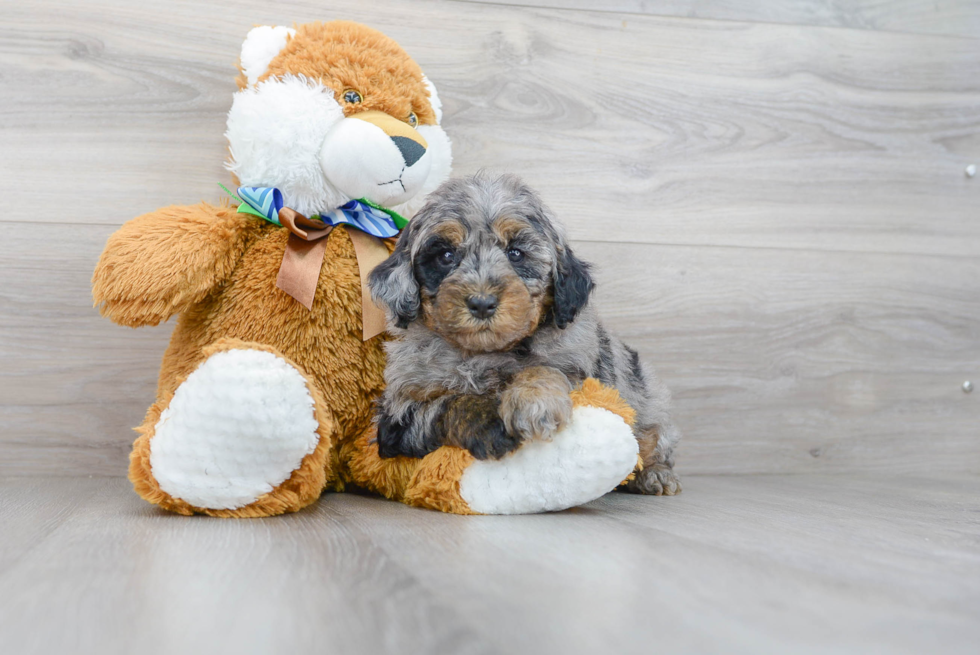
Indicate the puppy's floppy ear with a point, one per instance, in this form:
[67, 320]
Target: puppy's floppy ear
[571, 281]
[393, 284]
[572, 286]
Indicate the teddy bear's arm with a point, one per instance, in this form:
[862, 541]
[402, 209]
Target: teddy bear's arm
[160, 263]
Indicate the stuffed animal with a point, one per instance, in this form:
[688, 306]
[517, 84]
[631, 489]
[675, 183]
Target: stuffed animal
[265, 393]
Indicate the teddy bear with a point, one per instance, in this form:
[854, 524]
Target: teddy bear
[264, 398]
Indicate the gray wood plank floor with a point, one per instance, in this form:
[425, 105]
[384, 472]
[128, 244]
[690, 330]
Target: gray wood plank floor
[764, 564]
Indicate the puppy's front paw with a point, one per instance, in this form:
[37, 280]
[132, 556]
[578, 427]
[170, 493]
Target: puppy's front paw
[537, 403]
[655, 480]
[474, 423]
[494, 443]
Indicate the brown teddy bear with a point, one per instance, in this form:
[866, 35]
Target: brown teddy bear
[265, 393]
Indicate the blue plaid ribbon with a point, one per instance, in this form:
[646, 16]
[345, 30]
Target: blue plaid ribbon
[267, 201]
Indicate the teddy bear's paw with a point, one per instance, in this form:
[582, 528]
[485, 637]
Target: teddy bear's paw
[587, 458]
[236, 428]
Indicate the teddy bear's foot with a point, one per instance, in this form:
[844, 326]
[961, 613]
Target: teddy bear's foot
[240, 437]
[587, 458]
[584, 460]
[592, 454]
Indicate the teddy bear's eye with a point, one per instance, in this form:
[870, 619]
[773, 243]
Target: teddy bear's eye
[413, 120]
[351, 96]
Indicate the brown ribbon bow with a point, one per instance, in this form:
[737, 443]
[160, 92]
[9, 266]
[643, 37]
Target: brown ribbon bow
[303, 259]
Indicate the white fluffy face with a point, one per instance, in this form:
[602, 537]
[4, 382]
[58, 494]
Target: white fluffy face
[291, 133]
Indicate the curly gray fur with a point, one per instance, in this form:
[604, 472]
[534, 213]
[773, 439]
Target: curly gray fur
[456, 376]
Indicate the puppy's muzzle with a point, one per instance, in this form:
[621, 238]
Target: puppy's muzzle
[482, 306]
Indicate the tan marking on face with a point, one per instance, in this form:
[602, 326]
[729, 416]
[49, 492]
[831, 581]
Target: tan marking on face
[450, 230]
[508, 227]
[518, 314]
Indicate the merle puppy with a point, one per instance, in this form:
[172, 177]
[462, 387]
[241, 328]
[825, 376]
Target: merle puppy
[493, 329]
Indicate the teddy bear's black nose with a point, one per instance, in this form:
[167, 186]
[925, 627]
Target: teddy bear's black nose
[412, 151]
[482, 306]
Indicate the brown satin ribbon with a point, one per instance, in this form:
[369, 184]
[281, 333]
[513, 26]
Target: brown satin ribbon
[299, 271]
[370, 251]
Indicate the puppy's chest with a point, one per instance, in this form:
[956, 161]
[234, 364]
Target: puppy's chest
[488, 373]
[479, 374]
[436, 368]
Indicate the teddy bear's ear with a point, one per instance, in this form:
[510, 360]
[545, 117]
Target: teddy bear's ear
[433, 98]
[260, 47]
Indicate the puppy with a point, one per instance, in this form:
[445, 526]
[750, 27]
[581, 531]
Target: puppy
[493, 330]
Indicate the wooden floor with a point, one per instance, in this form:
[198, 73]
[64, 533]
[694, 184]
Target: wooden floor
[761, 564]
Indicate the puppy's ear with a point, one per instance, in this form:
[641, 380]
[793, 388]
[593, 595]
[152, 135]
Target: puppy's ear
[393, 285]
[572, 286]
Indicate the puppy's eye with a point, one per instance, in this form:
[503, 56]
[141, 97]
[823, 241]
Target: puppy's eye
[352, 97]
[413, 120]
[447, 258]
[514, 255]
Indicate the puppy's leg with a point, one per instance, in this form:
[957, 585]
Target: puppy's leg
[657, 478]
[536, 404]
[474, 423]
[468, 421]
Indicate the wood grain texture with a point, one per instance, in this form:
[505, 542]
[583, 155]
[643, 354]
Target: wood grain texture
[952, 17]
[798, 361]
[780, 361]
[803, 564]
[778, 212]
[696, 132]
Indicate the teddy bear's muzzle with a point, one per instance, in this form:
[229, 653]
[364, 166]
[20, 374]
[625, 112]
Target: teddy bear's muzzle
[376, 156]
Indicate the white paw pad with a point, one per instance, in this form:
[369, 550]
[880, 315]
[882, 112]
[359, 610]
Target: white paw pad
[239, 426]
[586, 459]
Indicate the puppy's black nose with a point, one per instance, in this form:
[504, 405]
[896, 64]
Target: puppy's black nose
[482, 306]
[412, 151]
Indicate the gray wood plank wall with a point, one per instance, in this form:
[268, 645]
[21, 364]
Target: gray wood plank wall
[776, 203]
[952, 17]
